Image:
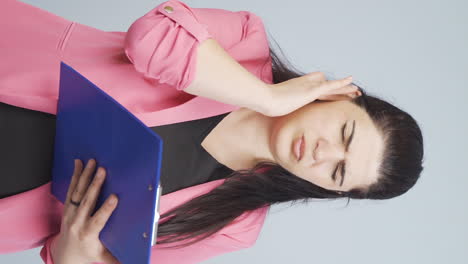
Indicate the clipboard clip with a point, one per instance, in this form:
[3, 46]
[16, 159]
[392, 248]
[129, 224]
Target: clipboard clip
[156, 215]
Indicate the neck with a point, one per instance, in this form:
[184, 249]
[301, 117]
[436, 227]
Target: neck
[241, 139]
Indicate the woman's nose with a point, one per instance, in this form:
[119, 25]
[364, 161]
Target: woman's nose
[328, 151]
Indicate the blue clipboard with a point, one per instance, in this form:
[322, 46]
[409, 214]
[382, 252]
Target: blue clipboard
[91, 124]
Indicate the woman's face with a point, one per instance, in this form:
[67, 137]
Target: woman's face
[321, 123]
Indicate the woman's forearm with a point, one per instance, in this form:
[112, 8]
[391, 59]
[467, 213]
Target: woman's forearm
[220, 77]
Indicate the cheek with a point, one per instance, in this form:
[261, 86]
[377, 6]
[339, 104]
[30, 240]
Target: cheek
[280, 141]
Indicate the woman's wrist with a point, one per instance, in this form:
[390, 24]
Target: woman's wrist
[266, 103]
[53, 250]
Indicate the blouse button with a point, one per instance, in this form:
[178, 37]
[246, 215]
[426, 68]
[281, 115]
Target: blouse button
[168, 9]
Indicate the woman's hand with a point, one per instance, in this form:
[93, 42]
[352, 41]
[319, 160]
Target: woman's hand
[293, 94]
[78, 240]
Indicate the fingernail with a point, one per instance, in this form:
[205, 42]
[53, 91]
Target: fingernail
[100, 173]
[112, 200]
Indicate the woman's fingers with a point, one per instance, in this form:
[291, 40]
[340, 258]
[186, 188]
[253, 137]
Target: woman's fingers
[78, 192]
[82, 217]
[83, 183]
[332, 87]
[89, 200]
[75, 178]
[78, 240]
[342, 93]
[71, 188]
[99, 219]
[336, 84]
[337, 87]
[337, 97]
[350, 88]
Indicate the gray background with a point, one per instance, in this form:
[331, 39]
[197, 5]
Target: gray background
[413, 54]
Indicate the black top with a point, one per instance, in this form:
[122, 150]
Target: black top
[27, 144]
[185, 162]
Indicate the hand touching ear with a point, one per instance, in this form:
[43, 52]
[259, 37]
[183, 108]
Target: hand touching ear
[292, 94]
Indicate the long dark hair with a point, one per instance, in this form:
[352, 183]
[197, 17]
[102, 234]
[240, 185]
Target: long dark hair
[268, 183]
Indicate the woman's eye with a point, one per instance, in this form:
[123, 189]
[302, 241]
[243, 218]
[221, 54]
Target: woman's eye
[344, 134]
[343, 140]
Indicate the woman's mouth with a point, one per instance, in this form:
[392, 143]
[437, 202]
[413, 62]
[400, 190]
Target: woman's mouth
[299, 146]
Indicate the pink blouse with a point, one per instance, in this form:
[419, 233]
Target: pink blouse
[146, 70]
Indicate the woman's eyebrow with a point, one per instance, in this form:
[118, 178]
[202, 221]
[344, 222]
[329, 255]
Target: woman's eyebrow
[343, 168]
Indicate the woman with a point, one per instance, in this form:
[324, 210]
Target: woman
[355, 147]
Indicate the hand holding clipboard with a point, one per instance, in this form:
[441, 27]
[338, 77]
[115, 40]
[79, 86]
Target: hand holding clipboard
[78, 241]
[91, 124]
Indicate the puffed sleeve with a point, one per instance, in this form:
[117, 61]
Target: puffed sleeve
[162, 44]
